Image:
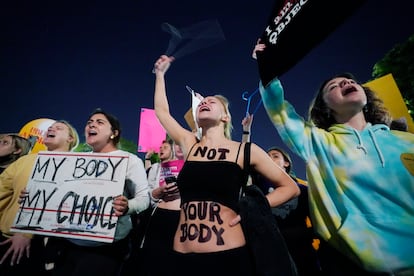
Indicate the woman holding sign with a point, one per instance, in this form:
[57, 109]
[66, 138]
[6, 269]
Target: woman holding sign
[360, 175]
[85, 257]
[22, 254]
[209, 239]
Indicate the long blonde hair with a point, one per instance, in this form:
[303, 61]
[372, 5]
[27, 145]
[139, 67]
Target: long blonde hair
[228, 126]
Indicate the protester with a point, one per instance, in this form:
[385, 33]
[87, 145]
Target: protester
[209, 240]
[146, 256]
[292, 217]
[360, 175]
[23, 253]
[12, 146]
[159, 235]
[84, 257]
[158, 173]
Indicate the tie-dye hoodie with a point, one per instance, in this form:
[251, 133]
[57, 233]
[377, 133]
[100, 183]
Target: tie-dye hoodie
[361, 184]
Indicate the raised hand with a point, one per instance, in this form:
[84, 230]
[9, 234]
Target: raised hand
[162, 64]
[259, 47]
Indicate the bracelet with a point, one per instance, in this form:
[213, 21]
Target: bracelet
[246, 132]
[149, 159]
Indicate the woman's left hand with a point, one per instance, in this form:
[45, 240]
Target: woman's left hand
[235, 221]
[120, 205]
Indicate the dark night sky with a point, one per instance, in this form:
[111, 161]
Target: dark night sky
[62, 59]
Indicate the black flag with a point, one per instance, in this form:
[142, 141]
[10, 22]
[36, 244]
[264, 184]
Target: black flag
[294, 28]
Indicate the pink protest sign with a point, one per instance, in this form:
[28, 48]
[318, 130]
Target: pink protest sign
[151, 132]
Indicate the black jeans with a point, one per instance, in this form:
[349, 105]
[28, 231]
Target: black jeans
[101, 260]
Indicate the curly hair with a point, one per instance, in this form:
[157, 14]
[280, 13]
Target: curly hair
[374, 111]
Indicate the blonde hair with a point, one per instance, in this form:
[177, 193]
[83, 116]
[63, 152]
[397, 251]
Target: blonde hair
[228, 126]
[72, 133]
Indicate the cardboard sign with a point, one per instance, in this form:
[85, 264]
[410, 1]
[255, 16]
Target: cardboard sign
[71, 195]
[295, 27]
[388, 91]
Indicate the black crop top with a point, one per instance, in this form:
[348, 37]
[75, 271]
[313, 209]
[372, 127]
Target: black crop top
[218, 181]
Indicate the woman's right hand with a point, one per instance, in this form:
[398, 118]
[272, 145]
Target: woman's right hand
[247, 122]
[171, 192]
[166, 192]
[162, 64]
[259, 47]
[149, 153]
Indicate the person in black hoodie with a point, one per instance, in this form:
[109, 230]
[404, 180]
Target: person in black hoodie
[292, 217]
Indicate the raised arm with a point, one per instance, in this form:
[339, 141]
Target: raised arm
[247, 124]
[285, 187]
[179, 134]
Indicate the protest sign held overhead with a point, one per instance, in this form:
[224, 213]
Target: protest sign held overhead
[151, 132]
[294, 28]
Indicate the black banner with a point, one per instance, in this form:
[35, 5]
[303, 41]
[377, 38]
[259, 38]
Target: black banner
[294, 28]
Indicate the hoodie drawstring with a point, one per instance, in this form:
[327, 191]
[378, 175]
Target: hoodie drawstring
[374, 140]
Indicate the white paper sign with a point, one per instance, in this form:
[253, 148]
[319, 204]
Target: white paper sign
[196, 99]
[71, 194]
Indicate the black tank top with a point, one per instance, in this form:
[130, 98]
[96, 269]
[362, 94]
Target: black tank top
[217, 181]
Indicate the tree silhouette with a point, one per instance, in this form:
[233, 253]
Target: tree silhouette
[399, 61]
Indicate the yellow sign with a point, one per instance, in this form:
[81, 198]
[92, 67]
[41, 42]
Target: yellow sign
[37, 128]
[388, 91]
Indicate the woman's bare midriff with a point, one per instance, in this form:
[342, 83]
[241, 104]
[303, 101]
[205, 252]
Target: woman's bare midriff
[170, 205]
[205, 227]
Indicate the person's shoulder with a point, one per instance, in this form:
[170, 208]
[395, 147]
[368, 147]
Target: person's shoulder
[124, 152]
[132, 158]
[406, 135]
[26, 158]
[22, 162]
[255, 147]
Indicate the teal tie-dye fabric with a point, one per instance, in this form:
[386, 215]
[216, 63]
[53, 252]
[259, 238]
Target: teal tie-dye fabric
[361, 192]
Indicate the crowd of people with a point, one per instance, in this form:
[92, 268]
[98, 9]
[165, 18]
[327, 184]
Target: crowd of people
[354, 214]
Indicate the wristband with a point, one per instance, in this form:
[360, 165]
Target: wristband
[246, 132]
